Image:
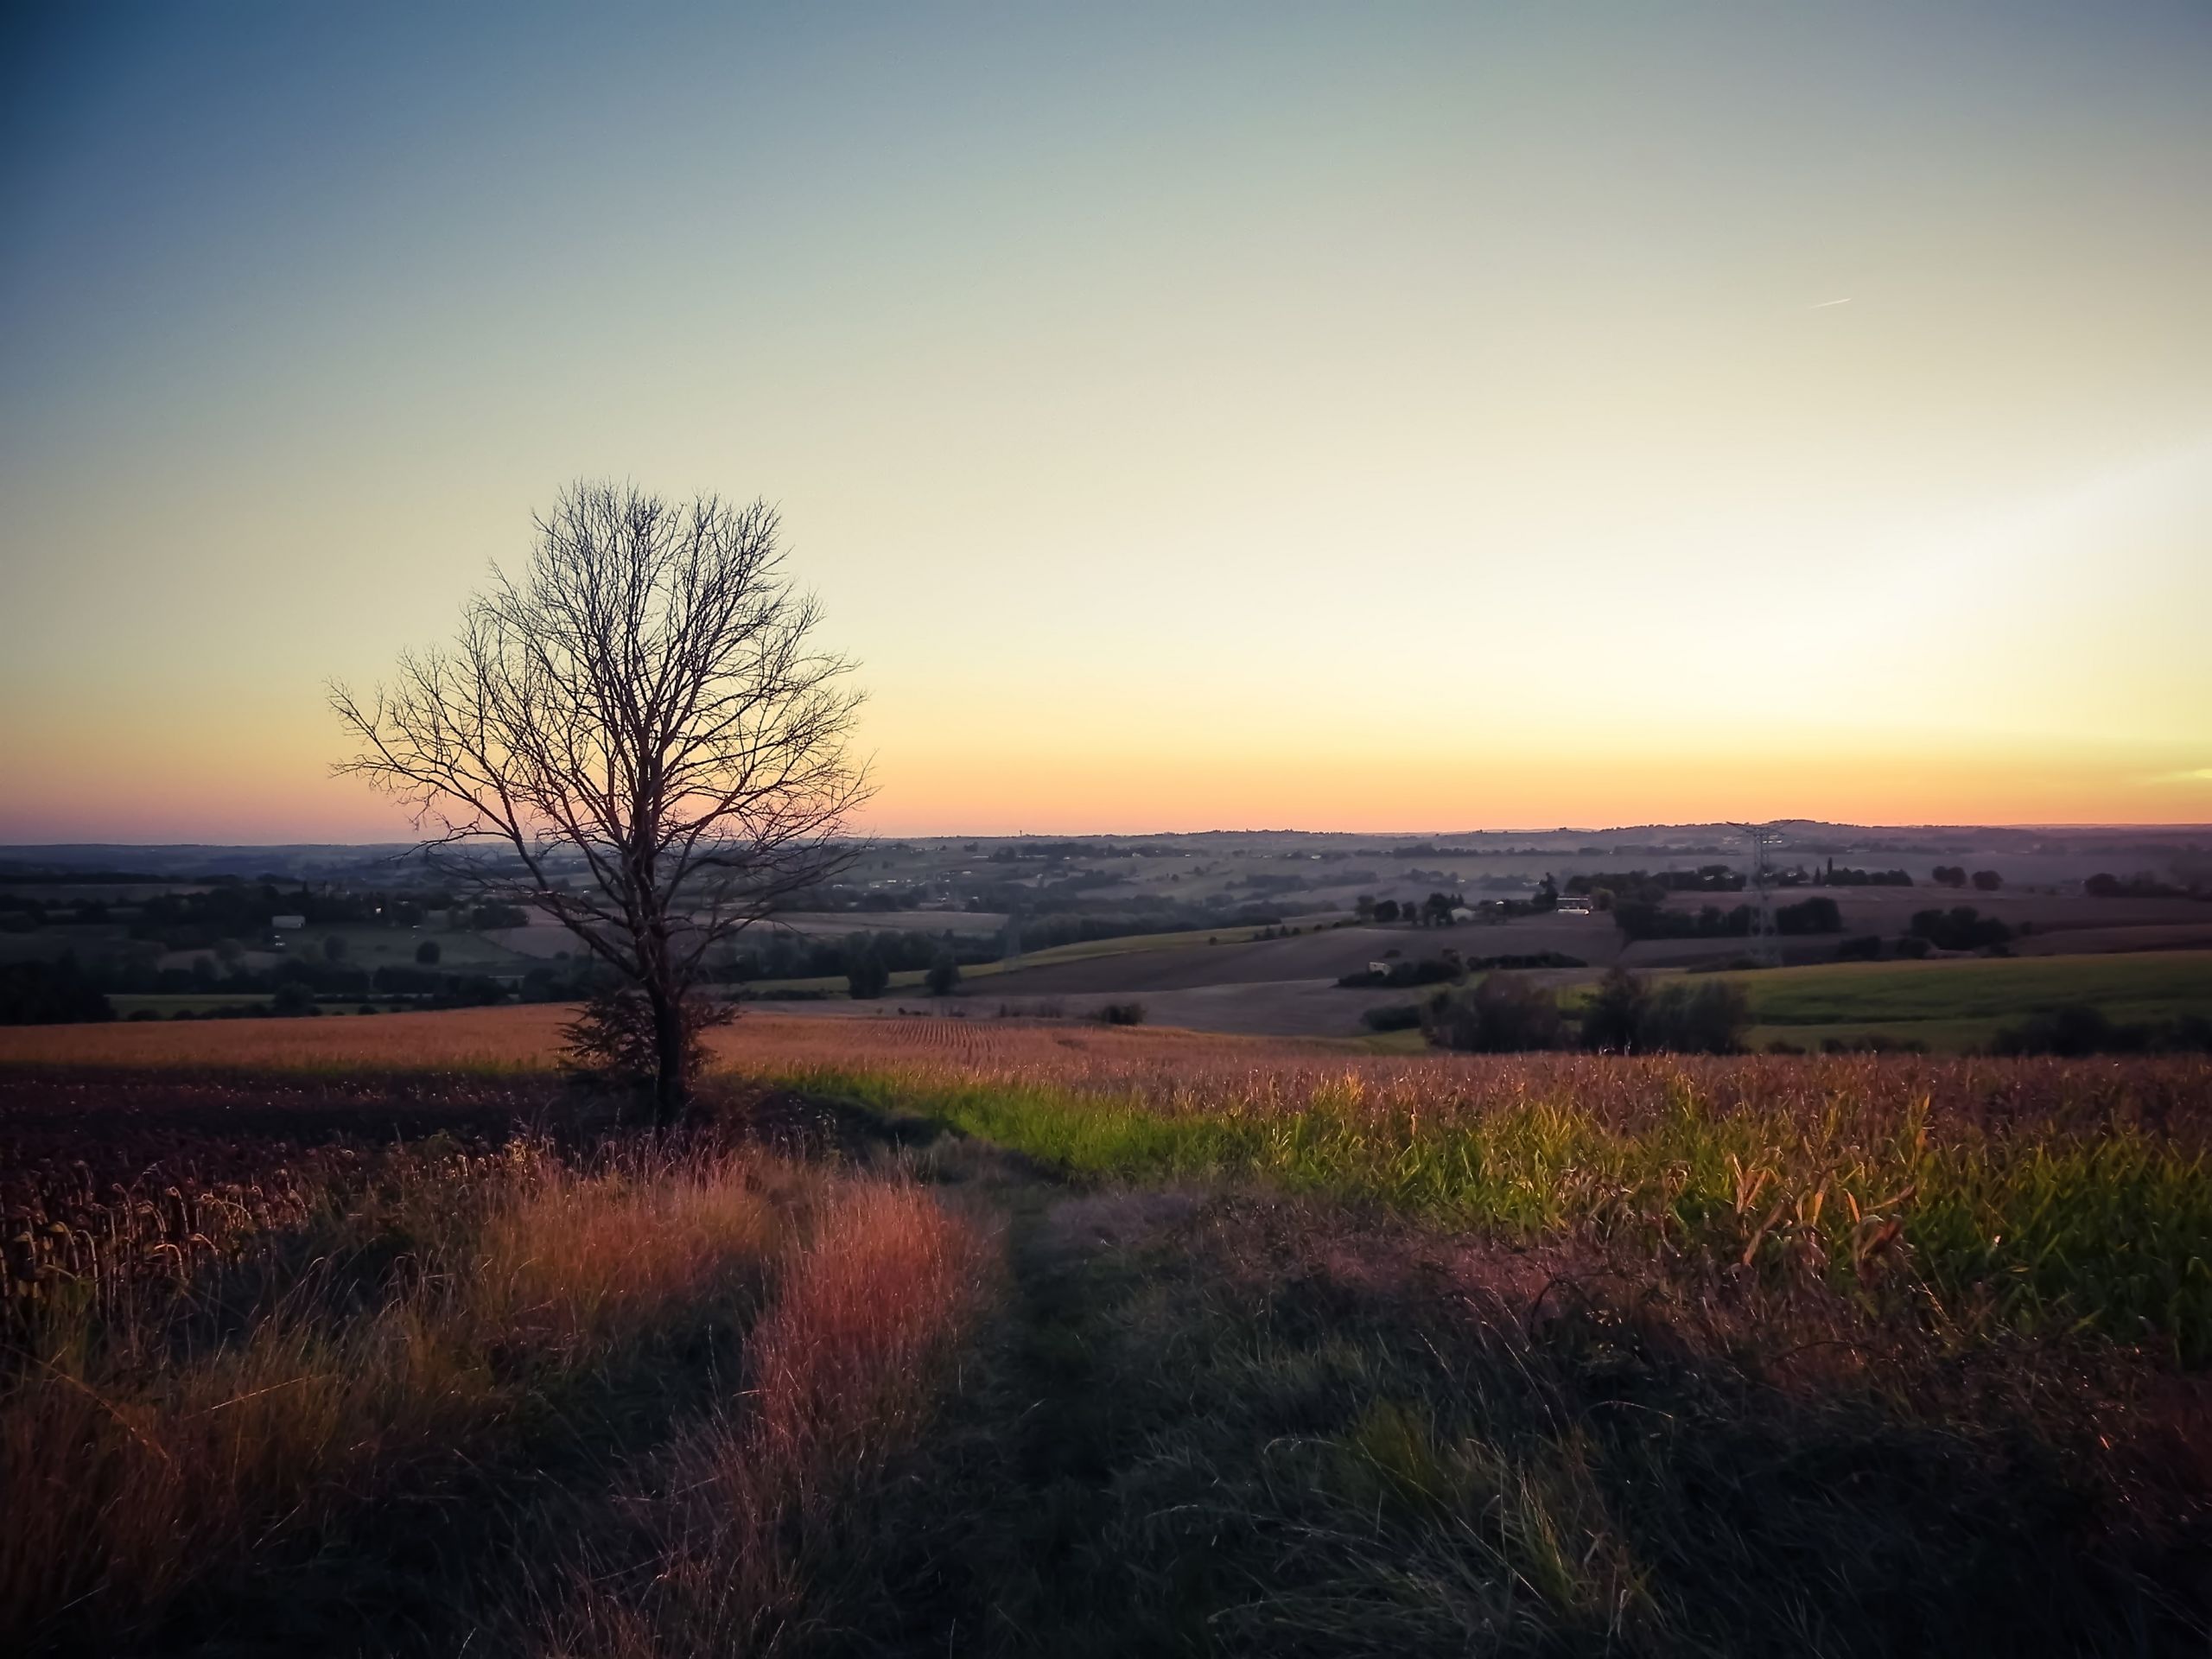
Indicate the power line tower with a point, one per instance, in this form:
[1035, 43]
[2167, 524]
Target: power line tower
[1765, 949]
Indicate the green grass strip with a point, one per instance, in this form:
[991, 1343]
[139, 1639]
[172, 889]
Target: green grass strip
[2112, 1234]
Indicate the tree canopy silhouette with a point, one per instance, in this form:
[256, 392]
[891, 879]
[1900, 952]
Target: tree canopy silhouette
[640, 737]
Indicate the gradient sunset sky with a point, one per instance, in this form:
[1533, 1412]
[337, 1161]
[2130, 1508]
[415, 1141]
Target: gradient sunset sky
[1365, 418]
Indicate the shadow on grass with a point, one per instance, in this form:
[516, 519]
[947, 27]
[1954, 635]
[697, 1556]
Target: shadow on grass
[1266, 1430]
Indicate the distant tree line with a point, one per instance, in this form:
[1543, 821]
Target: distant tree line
[1655, 885]
[16, 873]
[2141, 885]
[2081, 1029]
[1832, 876]
[1642, 921]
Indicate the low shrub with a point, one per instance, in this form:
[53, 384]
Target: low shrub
[2079, 1030]
[1392, 1016]
[1960, 928]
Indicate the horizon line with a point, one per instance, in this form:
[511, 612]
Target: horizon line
[1060, 835]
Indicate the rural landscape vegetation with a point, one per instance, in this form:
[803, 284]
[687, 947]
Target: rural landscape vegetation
[641, 1197]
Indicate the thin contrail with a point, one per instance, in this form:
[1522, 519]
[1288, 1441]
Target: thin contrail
[1824, 304]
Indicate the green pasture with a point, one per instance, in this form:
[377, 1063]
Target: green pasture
[1958, 1003]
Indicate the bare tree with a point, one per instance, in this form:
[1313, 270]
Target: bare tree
[639, 737]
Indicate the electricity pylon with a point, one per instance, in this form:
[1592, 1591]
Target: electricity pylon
[1765, 949]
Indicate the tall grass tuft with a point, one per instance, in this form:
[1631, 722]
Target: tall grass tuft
[389, 1351]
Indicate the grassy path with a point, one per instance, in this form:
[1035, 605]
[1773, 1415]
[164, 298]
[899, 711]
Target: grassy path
[1215, 1421]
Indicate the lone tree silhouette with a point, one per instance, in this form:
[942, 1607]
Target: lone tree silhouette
[639, 737]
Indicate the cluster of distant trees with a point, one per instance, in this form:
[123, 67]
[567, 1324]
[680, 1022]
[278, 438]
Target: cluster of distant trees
[867, 974]
[1833, 877]
[1435, 911]
[1505, 1012]
[2142, 886]
[1641, 920]
[1954, 875]
[1961, 928]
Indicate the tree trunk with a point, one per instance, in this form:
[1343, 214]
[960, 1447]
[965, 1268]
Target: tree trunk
[671, 1088]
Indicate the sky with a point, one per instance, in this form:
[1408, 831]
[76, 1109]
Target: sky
[1381, 417]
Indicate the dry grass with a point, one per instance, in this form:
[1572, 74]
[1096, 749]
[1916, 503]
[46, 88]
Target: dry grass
[742, 1522]
[154, 1452]
[123, 1187]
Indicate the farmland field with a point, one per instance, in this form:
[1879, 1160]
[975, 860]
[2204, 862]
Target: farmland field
[1016, 1338]
[1954, 1004]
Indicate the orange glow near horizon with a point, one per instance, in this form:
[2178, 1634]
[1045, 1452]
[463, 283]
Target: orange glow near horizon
[1060, 793]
